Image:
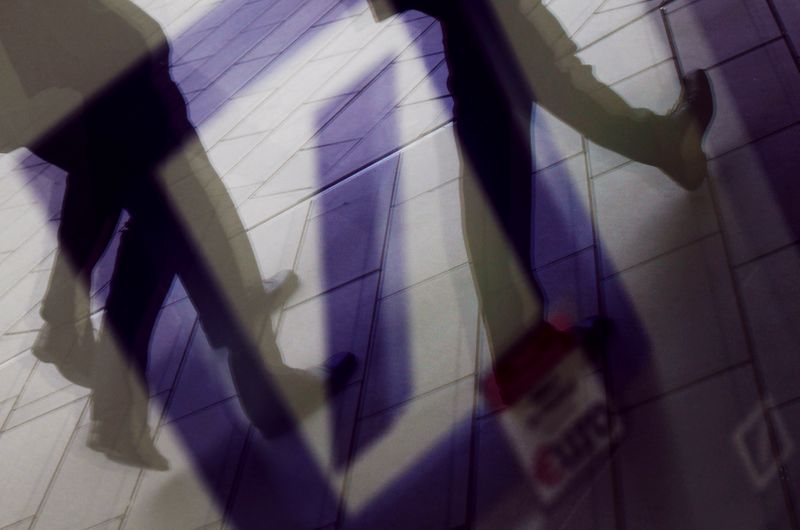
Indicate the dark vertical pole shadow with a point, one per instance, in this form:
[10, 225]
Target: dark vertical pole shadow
[366, 207]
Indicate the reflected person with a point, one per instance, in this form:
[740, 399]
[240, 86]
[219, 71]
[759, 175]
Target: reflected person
[100, 104]
[502, 56]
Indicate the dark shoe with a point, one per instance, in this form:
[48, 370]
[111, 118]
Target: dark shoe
[684, 161]
[120, 446]
[339, 368]
[70, 350]
[593, 334]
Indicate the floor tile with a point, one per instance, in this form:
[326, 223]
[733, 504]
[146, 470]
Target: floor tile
[14, 373]
[425, 238]
[789, 415]
[769, 289]
[613, 15]
[789, 13]
[281, 145]
[337, 321]
[679, 467]
[425, 338]
[306, 170]
[21, 298]
[296, 480]
[400, 127]
[630, 50]
[43, 381]
[709, 31]
[203, 451]
[276, 242]
[507, 499]
[345, 234]
[642, 214]
[168, 345]
[45, 405]
[412, 463]
[552, 139]
[204, 378]
[427, 164]
[684, 306]
[753, 97]
[370, 105]
[562, 223]
[87, 490]
[29, 456]
[756, 191]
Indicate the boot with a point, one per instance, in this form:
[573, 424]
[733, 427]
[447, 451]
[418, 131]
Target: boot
[684, 161]
[122, 445]
[69, 348]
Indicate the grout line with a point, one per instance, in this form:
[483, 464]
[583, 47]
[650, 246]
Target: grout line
[619, 272]
[373, 331]
[474, 442]
[424, 281]
[784, 32]
[236, 481]
[416, 397]
[757, 371]
[618, 29]
[615, 474]
[60, 464]
[625, 410]
[766, 255]
[356, 172]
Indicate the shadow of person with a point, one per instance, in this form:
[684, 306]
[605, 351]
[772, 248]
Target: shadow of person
[502, 56]
[90, 91]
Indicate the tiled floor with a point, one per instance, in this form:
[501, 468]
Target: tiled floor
[333, 134]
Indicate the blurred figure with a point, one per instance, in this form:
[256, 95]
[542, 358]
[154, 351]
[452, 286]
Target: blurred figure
[502, 56]
[93, 96]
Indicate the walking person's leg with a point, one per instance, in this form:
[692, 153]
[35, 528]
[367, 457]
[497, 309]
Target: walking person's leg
[561, 83]
[141, 279]
[89, 214]
[219, 270]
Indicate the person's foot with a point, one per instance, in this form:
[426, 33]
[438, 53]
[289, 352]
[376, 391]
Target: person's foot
[339, 368]
[71, 350]
[278, 287]
[302, 392]
[53, 342]
[119, 445]
[685, 162]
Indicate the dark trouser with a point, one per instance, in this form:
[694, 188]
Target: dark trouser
[157, 245]
[138, 151]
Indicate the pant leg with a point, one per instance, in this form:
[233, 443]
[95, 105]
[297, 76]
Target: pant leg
[142, 276]
[211, 251]
[562, 84]
[497, 212]
[89, 216]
